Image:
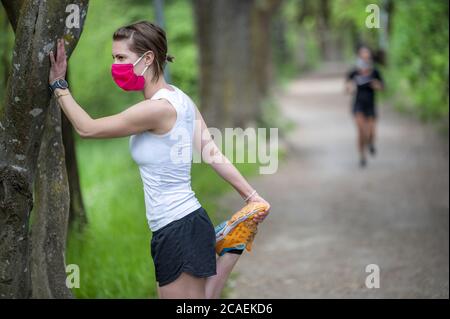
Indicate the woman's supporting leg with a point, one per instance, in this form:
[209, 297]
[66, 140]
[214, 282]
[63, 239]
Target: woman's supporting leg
[362, 135]
[371, 127]
[215, 284]
[185, 286]
[188, 286]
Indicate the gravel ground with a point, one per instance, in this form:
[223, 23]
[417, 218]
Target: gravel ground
[330, 219]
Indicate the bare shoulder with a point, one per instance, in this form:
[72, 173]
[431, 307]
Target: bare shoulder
[160, 114]
[149, 109]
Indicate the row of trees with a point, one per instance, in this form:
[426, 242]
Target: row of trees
[240, 44]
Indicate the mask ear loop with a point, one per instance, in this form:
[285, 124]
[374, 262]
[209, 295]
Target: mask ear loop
[137, 61]
[145, 70]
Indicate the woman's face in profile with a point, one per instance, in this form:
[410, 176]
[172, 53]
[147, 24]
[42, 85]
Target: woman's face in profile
[122, 54]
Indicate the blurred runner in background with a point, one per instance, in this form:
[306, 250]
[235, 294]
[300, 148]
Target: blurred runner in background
[363, 81]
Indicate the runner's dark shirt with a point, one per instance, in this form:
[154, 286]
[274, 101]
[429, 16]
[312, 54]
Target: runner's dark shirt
[365, 94]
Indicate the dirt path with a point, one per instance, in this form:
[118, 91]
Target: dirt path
[330, 218]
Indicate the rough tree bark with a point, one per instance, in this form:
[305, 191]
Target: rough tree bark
[234, 44]
[50, 214]
[38, 23]
[77, 211]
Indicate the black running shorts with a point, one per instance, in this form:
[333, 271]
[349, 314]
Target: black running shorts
[184, 245]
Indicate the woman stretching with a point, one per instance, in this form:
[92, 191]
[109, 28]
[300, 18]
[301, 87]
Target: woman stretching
[183, 245]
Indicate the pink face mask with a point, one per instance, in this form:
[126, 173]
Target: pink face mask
[125, 78]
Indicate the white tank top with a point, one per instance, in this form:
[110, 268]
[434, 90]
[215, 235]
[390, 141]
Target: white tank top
[164, 162]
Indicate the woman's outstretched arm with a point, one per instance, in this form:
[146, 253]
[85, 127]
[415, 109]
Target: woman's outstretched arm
[135, 119]
[203, 143]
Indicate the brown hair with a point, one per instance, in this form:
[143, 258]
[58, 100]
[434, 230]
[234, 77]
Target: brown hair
[146, 36]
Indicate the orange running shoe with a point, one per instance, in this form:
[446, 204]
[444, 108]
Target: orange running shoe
[239, 232]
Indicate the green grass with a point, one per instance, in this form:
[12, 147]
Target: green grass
[113, 252]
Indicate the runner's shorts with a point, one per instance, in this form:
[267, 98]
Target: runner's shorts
[184, 245]
[367, 109]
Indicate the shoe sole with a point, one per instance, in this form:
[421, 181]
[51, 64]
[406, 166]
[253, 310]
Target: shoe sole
[242, 235]
[229, 227]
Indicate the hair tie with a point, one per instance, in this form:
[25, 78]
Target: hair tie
[169, 58]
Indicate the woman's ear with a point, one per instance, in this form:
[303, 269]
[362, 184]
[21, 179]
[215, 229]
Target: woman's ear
[149, 58]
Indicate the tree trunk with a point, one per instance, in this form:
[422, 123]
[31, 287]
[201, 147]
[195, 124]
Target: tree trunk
[223, 29]
[234, 44]
[50, 214]
[77, 212]
[262, 44]
[282, 53]
[12, 8]
[158, 6]
[38, 24]
[324, 32]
